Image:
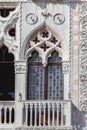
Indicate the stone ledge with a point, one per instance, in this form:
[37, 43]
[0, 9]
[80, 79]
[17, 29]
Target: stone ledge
[16, 127]
[45, 128]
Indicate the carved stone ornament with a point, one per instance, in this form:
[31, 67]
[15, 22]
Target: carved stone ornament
[5, 25]
[66, 66]
[20, 67]
[83, 56]
[45, 13]
[44, 41]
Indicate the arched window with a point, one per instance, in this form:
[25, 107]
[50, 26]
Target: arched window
[35, 77]
[7, 85]
[55, 78]
[45, 82]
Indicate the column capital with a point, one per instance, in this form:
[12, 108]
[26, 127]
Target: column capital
[21, 67]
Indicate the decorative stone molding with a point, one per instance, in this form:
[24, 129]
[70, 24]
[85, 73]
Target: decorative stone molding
[83, 57]
[45, 13]
[66, 67]
[20, 67]
[69, 66]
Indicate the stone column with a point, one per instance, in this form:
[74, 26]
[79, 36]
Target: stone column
[39, 114]
[48, 114]
[10, 112]
[5, 116]
[31, 114]
[44, 107]
[57, 114]
[35, 119]
[26, 114]
[53, 114]
[65, 69]
[20, 88]
[62, 113]
[68, 114]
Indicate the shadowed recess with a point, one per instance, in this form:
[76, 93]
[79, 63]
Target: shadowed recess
[6, 75]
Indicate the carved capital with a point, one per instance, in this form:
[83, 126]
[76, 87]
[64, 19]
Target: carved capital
[20, 67]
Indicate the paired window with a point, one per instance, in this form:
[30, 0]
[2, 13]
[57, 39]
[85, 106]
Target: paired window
[45, 82]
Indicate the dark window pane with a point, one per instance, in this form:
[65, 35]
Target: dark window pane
[7, 78]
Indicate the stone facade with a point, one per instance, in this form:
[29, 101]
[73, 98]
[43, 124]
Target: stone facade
[66, 22]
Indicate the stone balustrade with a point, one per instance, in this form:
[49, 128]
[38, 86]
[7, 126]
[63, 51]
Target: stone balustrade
[7, 112]
[47, 113]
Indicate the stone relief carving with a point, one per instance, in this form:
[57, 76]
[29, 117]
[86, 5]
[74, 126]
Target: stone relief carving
[45, 13]
[20, 68]
[66, 67]
[83, 56]
[5, 25]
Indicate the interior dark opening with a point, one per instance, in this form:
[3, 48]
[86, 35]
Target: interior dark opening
[4, 12]
[12, 31]
[7, 77]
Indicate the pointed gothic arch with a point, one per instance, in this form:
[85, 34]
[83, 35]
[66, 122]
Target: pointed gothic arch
[43, 41]
[41, 37]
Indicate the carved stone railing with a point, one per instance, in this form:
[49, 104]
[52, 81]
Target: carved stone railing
[46, 113]
[7, 112]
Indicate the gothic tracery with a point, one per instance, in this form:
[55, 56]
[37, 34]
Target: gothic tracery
[44, 42]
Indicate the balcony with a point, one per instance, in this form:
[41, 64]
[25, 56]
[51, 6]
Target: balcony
[36, 115]
[47, 114]
[7, 112]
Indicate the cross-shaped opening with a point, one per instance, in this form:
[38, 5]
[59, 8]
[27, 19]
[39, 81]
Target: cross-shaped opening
[45, 34]
[54, 41]
[36, 40]
[44, 47]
